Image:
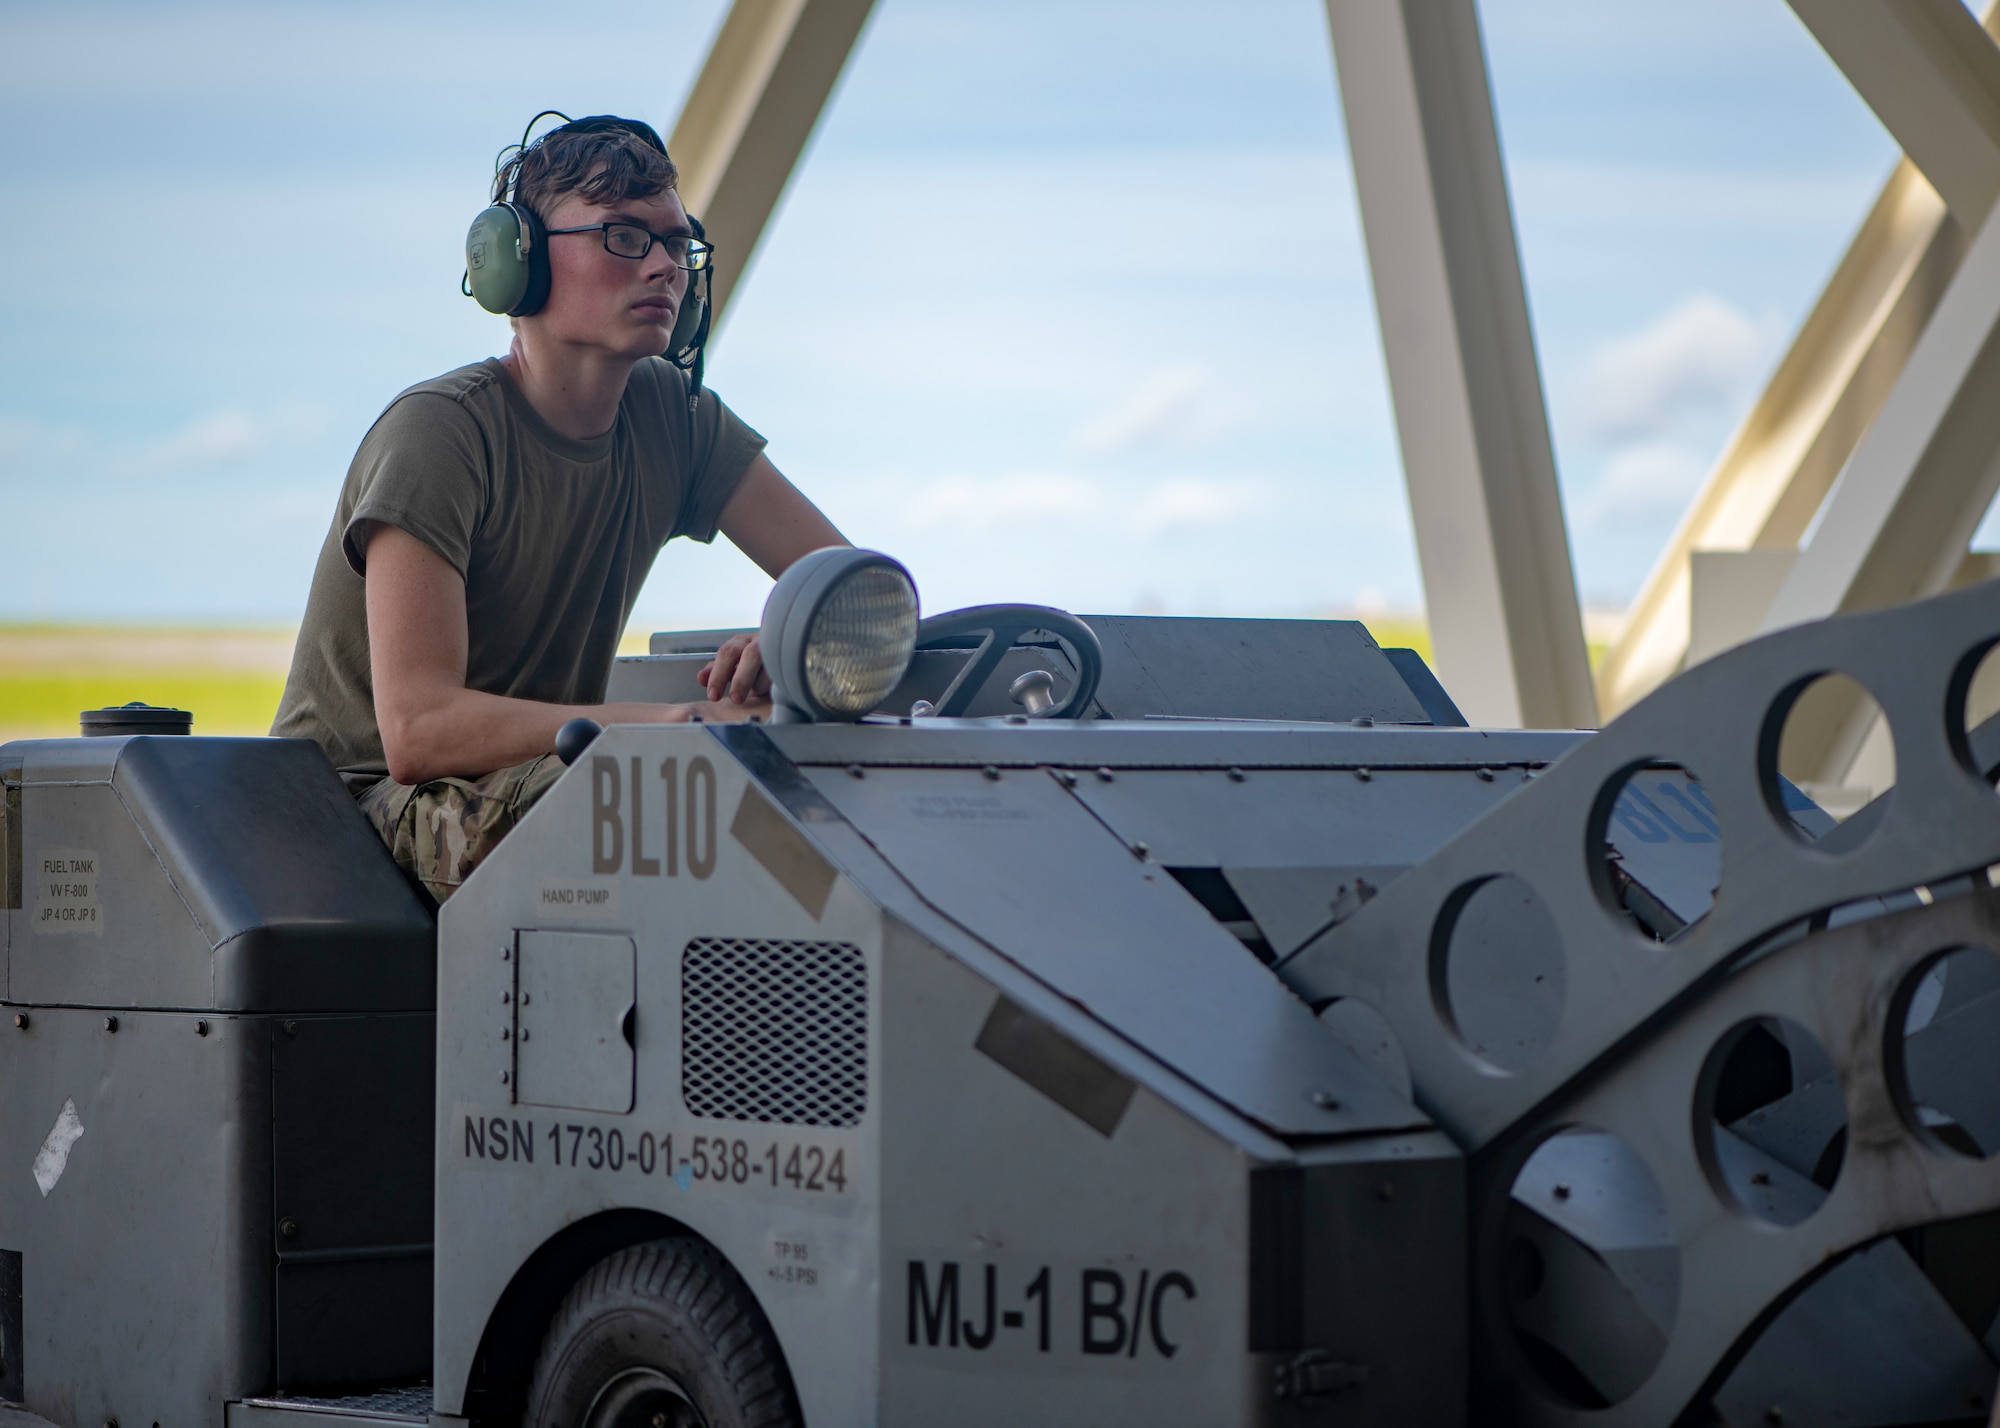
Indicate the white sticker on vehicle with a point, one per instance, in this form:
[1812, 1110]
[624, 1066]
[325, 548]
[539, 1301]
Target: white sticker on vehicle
[66, 891]
[53, 1157]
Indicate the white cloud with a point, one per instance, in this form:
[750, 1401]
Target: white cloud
[39, 450]
[1649, 482]
[212, 440]
[1176, 406]
[1192, 503]
[299, 513]
[1699, 356]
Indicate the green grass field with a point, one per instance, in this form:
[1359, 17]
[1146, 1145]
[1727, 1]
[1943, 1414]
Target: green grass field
[41, 703]
[229, 678]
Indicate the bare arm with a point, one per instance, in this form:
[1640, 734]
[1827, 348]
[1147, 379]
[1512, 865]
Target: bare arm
[771, 521]
[432, 725]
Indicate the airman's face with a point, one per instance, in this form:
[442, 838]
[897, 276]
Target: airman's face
[621, 306]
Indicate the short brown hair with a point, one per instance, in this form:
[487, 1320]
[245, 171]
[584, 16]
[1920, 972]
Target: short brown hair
[603, 166]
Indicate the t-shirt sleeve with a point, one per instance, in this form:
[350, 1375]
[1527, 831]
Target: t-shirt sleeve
[422, 468]
[722, 446]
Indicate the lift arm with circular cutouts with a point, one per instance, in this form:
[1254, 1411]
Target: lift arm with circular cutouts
[1704, 1153]
[1722, 718]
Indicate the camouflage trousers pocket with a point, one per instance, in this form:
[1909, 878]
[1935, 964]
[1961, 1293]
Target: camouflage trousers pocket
[439, 831]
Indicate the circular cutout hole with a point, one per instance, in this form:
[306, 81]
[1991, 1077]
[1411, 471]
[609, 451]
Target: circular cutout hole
[1661, 845]
[1497, 971]
[1834, 755]
[1944, 1056]
[1589, 1267]
[1772, 1120]
[1979, 714]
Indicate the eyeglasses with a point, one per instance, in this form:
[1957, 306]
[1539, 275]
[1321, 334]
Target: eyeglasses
[629, 240]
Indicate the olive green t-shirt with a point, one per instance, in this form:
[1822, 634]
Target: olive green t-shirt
[553, 537]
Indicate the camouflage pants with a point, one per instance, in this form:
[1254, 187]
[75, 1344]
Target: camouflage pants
[440, 831]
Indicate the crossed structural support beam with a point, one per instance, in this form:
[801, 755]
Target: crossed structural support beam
[1858, 478]
[1855, 482]
[760, 94]
[1477, 461]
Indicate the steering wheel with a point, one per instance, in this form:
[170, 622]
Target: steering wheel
[1002, 627]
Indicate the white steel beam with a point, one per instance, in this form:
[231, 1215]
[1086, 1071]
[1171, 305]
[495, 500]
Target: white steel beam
[1897, 525]
[1932, 76]
[1498, 584]
[761, 90]
[1778, 467]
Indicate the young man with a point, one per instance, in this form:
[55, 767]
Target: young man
[498, 521]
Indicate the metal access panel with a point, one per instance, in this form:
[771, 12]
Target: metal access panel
[577, 990]
[1300, 847]
[1256, 669]
[139, 1198]
[209, 1206]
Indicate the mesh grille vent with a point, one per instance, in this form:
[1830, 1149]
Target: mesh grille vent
[774, 1031]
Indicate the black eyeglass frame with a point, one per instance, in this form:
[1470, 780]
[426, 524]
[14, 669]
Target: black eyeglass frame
[699, 251]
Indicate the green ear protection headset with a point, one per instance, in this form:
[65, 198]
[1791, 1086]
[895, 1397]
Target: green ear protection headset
[507, 260]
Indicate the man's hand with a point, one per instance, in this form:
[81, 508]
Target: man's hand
[709, 711]
[738, 672]
[769, 520]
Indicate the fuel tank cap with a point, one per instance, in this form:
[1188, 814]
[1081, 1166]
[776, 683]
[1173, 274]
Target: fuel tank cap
[135, 718]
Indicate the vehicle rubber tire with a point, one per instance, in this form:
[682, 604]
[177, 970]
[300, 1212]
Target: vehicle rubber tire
[650, 1323]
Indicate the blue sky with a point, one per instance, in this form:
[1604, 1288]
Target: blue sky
[1067, 304]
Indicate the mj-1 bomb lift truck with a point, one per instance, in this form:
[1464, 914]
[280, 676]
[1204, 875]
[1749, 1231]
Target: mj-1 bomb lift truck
[1104, 1021]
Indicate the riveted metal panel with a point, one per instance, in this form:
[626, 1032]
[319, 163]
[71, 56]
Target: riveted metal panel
[573, 1003]
[1249, 669]
[147, 1285]
[84, 858]
[197, 872]
[1067, 900]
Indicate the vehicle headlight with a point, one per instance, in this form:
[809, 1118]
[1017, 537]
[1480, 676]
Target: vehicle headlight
[837, 634]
